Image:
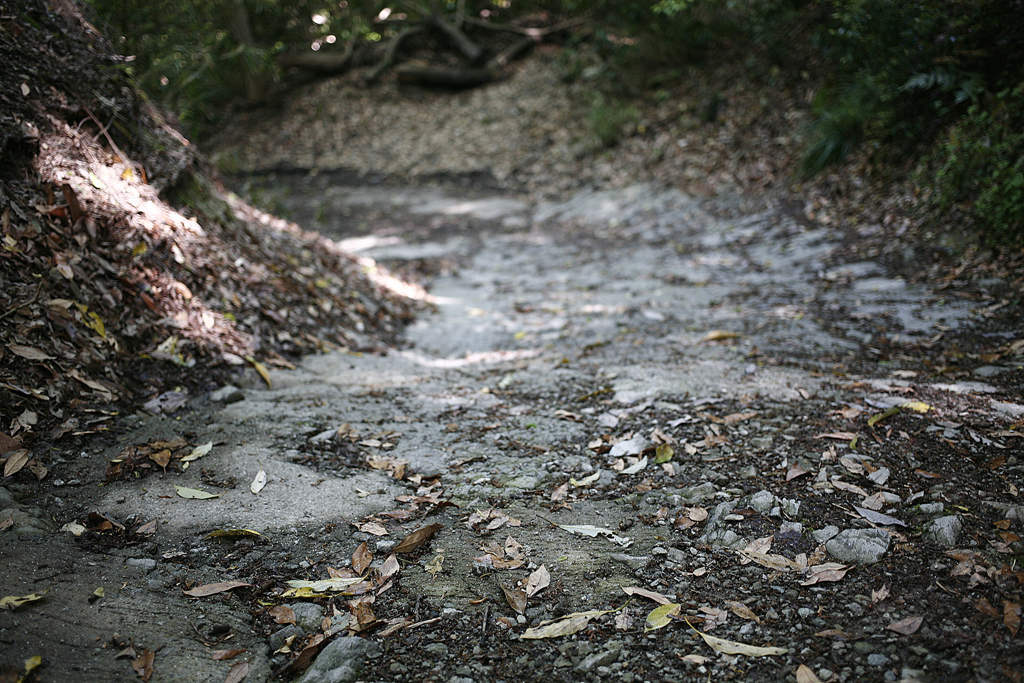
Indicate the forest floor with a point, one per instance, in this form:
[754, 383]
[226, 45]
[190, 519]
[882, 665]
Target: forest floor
[650, 431]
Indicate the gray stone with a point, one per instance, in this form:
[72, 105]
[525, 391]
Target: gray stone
[341, 661]
[27, 522]
[859, 546]
[791, 528]
[437, 649]
[308, 616]
[944, 530]
[828, 533]
[278, 638]
[147, 564]
[932, 508]
[631, 561]
[878, 660]
[1009, 511]
[227, 394]
[696, 494]
[790, 507]
[676, 555]
[592, 662]
[762, 501]
[723, 538]
[989, 371]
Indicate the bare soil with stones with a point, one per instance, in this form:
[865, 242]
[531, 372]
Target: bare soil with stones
[715, 400]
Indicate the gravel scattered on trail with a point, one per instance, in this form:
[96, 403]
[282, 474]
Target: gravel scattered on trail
[616, 386]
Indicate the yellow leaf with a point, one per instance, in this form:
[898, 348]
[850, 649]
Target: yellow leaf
[139, 249]
[663, 453]
[566, 626]
[31, 664]
[661, 616]
[96, 182]
[127, 174]
[194, 494]
[875, 419]
[232, 533]
[260, 368]
[197, 452]
[916, 406]
[715, 335]
[15, 601]
[730, 647]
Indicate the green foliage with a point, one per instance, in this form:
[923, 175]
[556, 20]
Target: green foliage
[980, 166]
[610, 118]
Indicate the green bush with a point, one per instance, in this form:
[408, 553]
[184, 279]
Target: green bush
[609, 119]
[980, 167]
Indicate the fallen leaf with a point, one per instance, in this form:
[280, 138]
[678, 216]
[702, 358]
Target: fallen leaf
[916, 406]
[233, 533]
[696, 514]
[259, 482]
[874, 502]
[880, 594]
[361, 558]
[13, 602]
[716, 335]
[637, 467]
[565, 626]
[585, 481]
[417, 539]
[197, 452]
[371, 528]
[1011, 616]
[8, 444]
[852, 488]
[805, 675]
[560, 492]
[624, 620]
[516, 597]
[434, 567]
[742, 611]
[237, 673]
[282, 614]
[650, 595]
[661, 616]
[538, 581]
[875, 419]
[143, 664]
[28, 352]
[214, 588]
[663, 453]
[74, 528]
[824, 573]
[390, 567]
[906, 626]
[838, 436]
[878, 517]
[15, 462]
[261, 369]
[220, 655]
[729, 647]
[161, 458]
[336, 585]
[771, 561]
[195, 494]
[795, 471]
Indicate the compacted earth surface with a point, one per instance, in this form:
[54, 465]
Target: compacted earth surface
[641, 436]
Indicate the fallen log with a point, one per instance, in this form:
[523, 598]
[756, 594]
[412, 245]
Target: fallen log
[435, 76]
[465, 44]
[319, 62]
[389, 57]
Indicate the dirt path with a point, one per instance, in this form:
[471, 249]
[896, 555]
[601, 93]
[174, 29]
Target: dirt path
[620, 363]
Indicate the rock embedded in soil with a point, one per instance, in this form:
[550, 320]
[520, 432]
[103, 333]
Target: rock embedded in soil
[859, 546]
[341, 661]
[227, 394]
[944, 530]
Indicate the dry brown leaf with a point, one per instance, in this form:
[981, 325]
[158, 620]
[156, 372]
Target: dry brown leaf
[852, 488]
[696, 514]
[717, 335]
[214, 588]
[282, 614]
[389, 568]
[1011, 616]
[237, 673]
[15, 462]
[729, 647]
[361, 558]
[143, 664]
[516, 597]
[987, 608]
[220, 655]
[538, 581]
[28, 352]
[417, 539]
[643, 592]
[795, 471]
[906, 626]
[8, 444]
[839, 436]
[373, 528]
[805, 675]
[742, 611]
[879, 595]
[824, 573]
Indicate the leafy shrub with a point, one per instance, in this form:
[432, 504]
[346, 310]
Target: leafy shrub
[609, 119]
[980, 166]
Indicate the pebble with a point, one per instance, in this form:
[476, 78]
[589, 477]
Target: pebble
[825, 534]
[145, 563]
[227, 394]
[308, 616]
[341, 661]
[878, 660]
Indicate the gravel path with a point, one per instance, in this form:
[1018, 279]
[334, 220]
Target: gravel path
[716, 416]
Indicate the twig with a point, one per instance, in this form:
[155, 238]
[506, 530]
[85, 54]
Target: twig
[483, 627]
[35, 298]
[389, 56]
[113, 145]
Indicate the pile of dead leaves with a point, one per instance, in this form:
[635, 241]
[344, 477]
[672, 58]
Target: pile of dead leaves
[123, 265]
